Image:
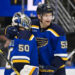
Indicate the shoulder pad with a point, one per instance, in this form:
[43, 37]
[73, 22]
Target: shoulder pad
[10, 32]
[58, 29]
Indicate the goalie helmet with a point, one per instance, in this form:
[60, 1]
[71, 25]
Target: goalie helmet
[21, 20]
[44, 8]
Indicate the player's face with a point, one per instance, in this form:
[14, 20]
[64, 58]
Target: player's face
[45, 19]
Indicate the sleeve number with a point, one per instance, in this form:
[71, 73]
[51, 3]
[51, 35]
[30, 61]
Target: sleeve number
[63, 44]
[23, 48]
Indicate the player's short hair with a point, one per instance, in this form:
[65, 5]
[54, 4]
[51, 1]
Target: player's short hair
[21, 20]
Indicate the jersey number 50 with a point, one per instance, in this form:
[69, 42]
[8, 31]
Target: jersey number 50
[23, 48]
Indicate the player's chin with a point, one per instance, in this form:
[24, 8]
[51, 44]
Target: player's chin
[48, 23]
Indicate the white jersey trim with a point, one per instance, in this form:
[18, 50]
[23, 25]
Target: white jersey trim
[61, 55]
[20, 57]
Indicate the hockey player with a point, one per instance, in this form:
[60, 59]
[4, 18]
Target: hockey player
[51, 41]
[23, 54]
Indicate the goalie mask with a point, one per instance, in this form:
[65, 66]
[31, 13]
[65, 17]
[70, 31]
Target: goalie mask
[21, 20]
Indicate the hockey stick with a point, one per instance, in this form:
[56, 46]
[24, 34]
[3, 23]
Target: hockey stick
[22, 6]
[71, 54]
[15, 70]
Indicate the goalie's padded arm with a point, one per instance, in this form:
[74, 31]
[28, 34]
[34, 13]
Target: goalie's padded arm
[11, 32]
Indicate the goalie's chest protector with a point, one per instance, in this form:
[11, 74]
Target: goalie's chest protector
[21, 51]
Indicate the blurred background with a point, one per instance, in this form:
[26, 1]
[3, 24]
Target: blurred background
[64, 12]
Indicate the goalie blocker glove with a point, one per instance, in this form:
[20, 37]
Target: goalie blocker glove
[29, 70]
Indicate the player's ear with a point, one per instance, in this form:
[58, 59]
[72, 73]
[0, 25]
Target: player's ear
[39, 16]
[53, 17]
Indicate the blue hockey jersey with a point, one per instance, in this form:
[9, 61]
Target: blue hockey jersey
[23, 52]
[24, 38]
[23, 49]
[52, 45]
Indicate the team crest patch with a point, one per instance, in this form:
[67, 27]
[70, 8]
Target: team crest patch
[41, 42]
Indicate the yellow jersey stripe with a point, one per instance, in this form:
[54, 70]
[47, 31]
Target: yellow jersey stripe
[55, 33]
[15, 1]
[16, 37]
[44, 70]
[6, 29]
[31, 72]
[8, 68]
[62, 66]
[20, 61]
[34, 26]
[64, 58]
[31, 37]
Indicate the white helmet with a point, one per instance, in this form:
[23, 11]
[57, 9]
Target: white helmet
[21, 20]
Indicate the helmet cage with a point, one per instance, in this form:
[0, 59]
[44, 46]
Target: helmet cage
[21, 20]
